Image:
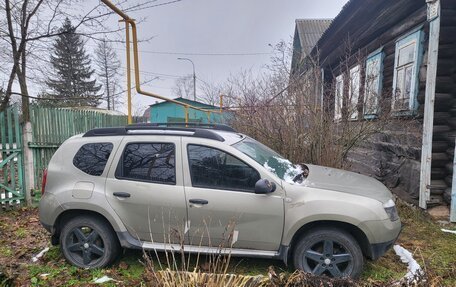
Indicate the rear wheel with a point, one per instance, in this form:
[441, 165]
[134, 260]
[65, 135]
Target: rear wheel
[330, 252]
[89, 242]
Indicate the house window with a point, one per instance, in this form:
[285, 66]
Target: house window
[405, 83]
[339, 97]
[373, 84]
[353, 93]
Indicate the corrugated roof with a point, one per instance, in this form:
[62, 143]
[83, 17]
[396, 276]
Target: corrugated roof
[187, 101]
[345, 10]
[310, 31]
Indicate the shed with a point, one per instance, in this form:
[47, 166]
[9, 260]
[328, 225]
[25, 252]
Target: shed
[168, 112]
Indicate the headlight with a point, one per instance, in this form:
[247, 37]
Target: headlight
[391, 210]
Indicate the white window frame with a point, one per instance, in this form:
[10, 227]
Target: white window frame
[339, 97]
[373, 84]
[353, 92]
[414, 38]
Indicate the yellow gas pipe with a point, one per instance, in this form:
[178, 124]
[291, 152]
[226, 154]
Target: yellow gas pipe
[131, 22]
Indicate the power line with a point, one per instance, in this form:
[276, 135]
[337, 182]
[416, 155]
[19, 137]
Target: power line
[205, 54]
[151, 6]
[156, 74]
[199, 54]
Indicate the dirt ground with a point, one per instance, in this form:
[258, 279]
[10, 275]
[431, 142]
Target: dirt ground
[22, 237]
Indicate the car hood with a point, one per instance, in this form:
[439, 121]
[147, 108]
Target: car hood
[347, 182]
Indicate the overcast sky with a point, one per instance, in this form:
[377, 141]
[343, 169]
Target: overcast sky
[194, 27]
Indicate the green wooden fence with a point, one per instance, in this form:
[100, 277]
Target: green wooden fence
[52, 126]
[11, 162]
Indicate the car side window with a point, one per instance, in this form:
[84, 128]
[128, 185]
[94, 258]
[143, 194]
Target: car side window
[213, 168]
[151, 162]
[92, 158]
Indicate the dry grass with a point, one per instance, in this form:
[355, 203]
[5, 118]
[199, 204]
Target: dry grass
[22, 237]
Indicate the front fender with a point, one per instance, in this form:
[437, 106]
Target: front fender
[310, 205]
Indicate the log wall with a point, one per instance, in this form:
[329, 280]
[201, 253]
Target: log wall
[394, 155]
[444, 132]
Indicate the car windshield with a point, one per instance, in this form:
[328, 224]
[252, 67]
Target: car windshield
[270, 159]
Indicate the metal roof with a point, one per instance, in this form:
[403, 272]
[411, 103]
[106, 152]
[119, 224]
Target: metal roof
[187, 101]
[309, 32]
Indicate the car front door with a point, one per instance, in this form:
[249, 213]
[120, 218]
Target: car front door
[223, 209]
[146, 188]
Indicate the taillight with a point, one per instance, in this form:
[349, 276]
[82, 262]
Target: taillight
[43, 181]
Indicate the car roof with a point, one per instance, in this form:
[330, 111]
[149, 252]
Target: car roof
[222, 133]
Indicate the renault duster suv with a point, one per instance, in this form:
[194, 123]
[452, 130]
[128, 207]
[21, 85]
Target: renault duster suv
[221, 191]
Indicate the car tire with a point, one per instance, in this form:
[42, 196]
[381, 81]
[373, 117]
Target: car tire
[89, 242]
[329, 251]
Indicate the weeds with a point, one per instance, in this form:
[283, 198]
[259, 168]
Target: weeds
[433, 250]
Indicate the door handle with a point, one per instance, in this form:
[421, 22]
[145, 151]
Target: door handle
[121, 194]
[199, 201]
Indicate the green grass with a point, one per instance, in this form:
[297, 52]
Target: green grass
[21, 232]
[5, 251]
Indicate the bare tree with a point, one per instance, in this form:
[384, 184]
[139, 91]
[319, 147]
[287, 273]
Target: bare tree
[183, 87]
[26, 28]
[108, 69]
[285, 111]
[211, 93]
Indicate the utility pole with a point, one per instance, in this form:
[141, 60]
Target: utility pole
[194, 76]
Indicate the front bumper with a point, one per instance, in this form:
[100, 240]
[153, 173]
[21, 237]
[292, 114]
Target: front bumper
[377, 250]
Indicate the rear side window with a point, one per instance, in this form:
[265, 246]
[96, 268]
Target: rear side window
[151, 162]
[92, 158]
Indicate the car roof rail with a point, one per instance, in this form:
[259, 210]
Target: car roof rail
[142, 129]
[218, 127]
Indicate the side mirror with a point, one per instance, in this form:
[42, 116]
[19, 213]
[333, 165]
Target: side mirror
[264, 186]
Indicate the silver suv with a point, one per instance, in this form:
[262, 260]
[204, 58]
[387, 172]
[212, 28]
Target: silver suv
[222, 191]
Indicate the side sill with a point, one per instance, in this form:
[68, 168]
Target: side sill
[127, 241]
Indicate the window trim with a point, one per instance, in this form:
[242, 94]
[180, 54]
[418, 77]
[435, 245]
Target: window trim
[210, 187]
[353, 116]
[338, 116]
[107, 160]
[119, 168]
[415, 36]
[380, 55]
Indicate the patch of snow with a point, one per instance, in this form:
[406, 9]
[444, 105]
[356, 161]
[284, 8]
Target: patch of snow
[235, 236]
[448, 231]
[292, 171]
[187, 226]
[102, 280]
[413, 267]
[267, 167]
[39, 255]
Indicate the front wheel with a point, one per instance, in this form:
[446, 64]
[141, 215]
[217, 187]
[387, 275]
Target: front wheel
[89, 242]
[330, 252]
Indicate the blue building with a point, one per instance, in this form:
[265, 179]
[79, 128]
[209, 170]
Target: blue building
[168, 112]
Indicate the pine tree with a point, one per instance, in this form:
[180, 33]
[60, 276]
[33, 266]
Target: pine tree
[71, 80]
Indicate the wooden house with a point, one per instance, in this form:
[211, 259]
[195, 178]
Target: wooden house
[395, 58]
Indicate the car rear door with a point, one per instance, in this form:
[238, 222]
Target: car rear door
[145, 188]
[223, 209]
